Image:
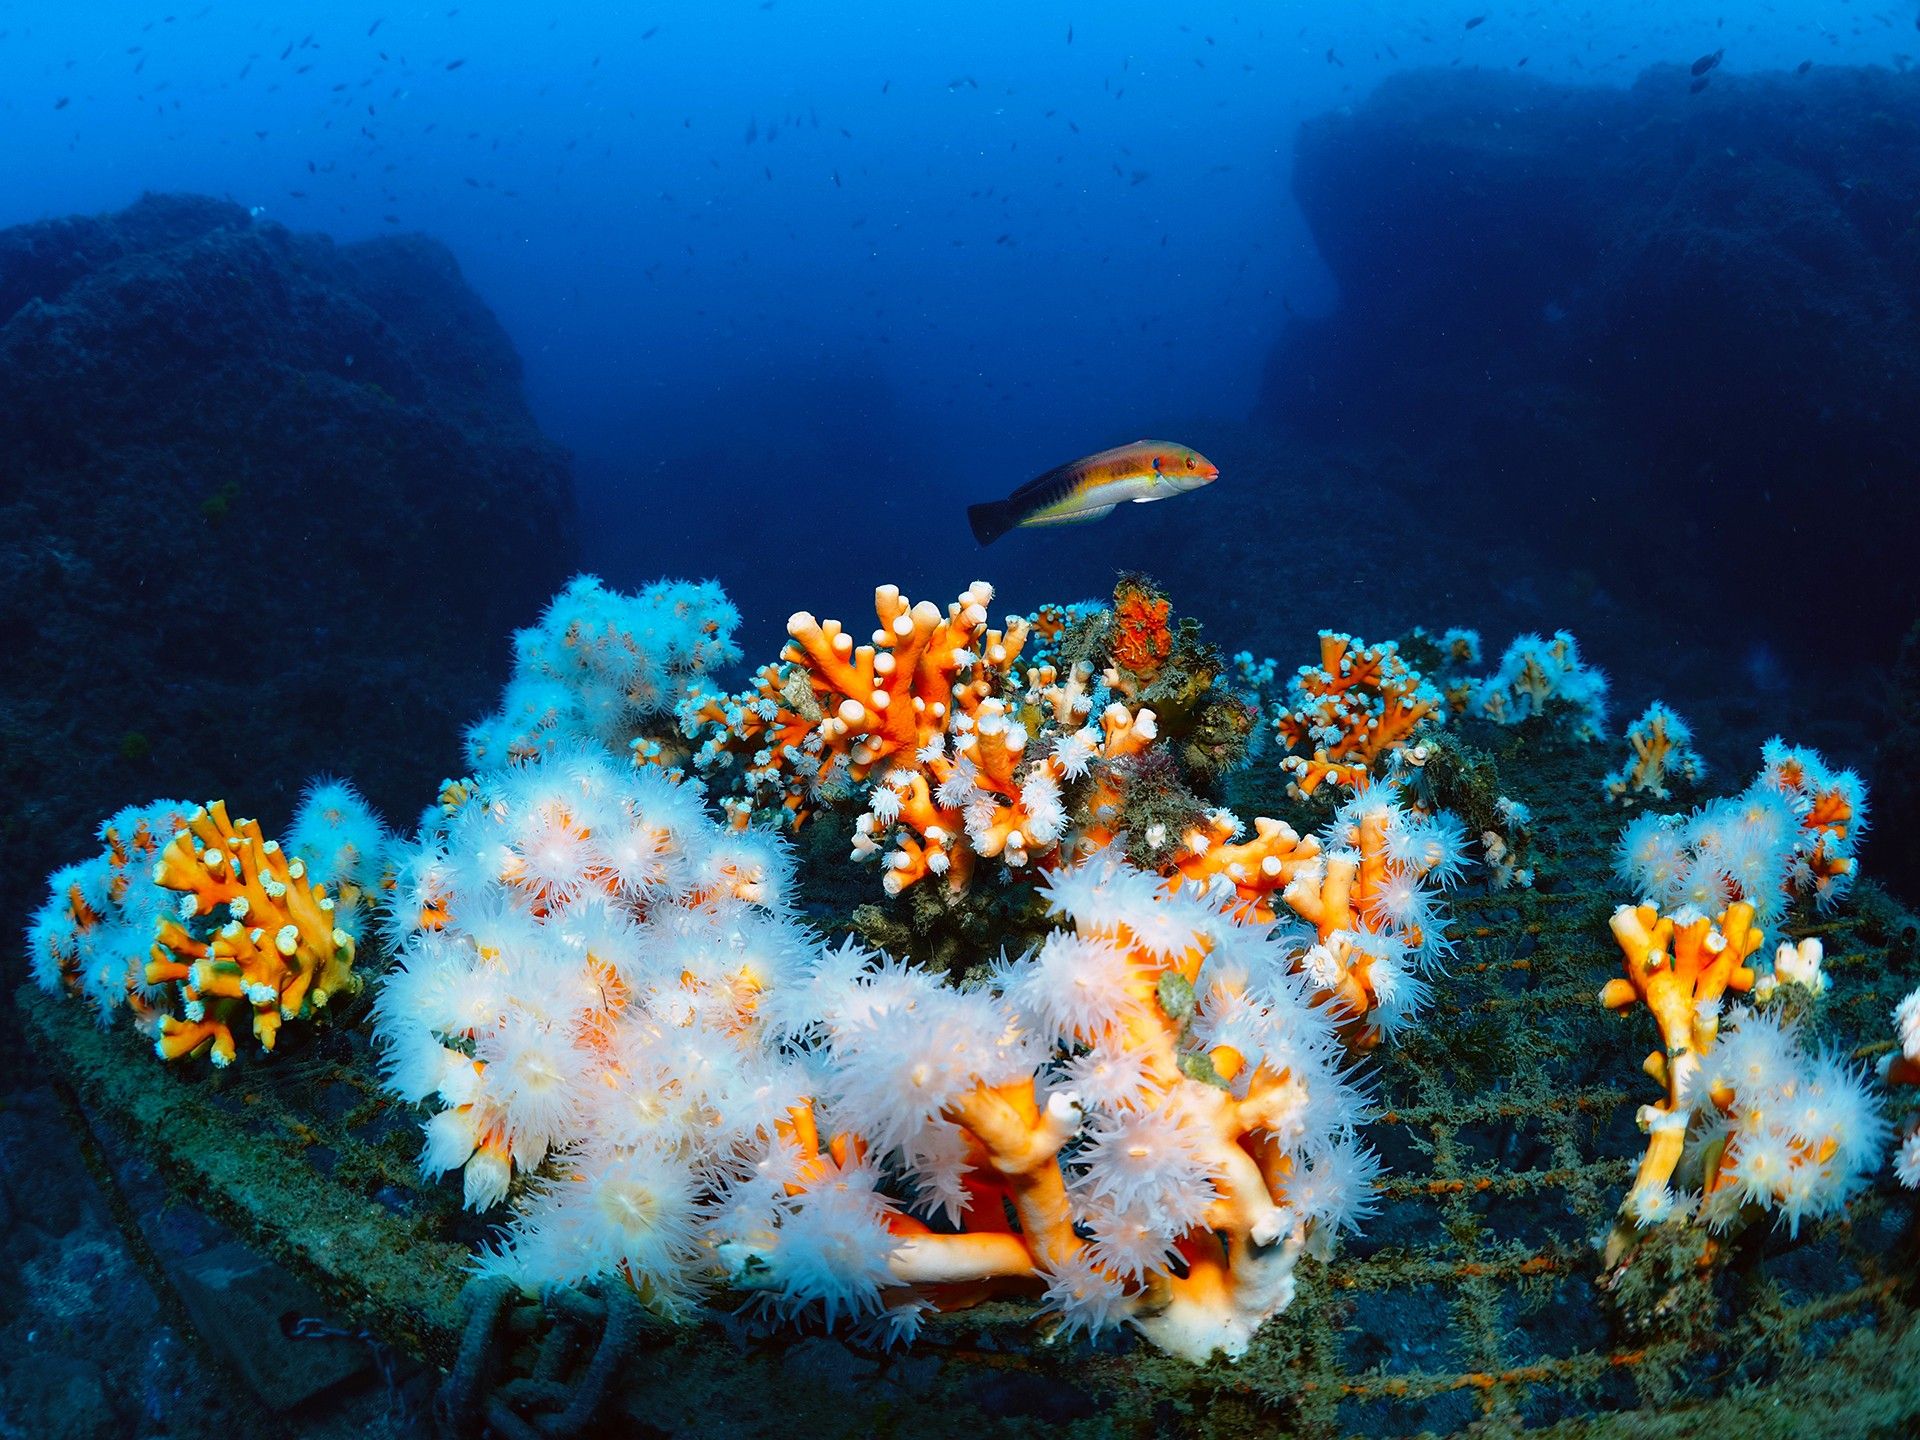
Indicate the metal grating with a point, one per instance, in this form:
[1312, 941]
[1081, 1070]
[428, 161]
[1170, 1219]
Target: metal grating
[1509, 1131]
[1506, 1124]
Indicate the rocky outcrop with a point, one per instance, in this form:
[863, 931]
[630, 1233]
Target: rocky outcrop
[268, 504]
[1672, 331]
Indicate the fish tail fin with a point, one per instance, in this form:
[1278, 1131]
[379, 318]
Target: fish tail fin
[991, 520]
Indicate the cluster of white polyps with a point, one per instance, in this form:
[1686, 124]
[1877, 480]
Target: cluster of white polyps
[581, 956]
[1535, 673]
[1152, 1092]
[599, 988]
[1795, 1133]
[602, 665]
[1792, 834]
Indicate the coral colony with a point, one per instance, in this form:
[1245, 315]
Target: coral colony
[1660, 754]
[954, 754]
[186, 905]
[1790, 835]
[1360, 703]
[597, 990]
[1752, 1121]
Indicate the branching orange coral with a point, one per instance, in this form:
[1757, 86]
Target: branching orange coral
[933, 719]
[1352, 899]
[1359, 703]
[1259, 869]
[1753, 1120]
[1661, 748]
[1375, 921]
[1679, 971]
[276, 955]
[1832, 808]
[833, 711]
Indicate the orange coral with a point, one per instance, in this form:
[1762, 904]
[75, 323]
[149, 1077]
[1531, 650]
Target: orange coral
[1022, 1225]
[92, 936]
[1832, 806]
[833, 711]
[1342, 896]
[1360, 703]
[1141, 638]
[1661, 746]
[932, 718]
[1679, 971]
[1365, 898]
[276, 954]
[1259, 869]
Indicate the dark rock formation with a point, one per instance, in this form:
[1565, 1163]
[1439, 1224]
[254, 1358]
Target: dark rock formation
[268, 505]
[1671, 332]
[1896, 772]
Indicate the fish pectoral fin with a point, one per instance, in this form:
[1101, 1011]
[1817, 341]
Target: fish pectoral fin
[1147, 499]
[1078, 517]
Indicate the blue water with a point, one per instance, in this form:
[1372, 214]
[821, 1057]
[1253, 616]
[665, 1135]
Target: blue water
[775, 251]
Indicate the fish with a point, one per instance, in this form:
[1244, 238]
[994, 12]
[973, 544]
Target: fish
[1086, 490]
[1706, 62]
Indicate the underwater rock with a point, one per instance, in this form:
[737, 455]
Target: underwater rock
[44, 1189]
[257, 1316]
[260, 493]
[66, 1396]
[1897, 767]
[1643, 323]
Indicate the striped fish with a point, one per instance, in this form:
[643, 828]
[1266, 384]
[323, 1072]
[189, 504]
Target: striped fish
[1086, 490]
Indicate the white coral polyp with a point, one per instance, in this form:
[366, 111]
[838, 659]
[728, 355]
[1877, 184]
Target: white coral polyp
[619, 1030]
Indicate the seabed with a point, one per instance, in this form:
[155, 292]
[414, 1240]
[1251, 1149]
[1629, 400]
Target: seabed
[1473, 1301]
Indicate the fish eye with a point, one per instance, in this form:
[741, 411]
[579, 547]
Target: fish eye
[1189, 462]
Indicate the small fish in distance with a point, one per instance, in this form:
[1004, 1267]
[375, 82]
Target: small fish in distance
[1083, 491]
[1707, 62]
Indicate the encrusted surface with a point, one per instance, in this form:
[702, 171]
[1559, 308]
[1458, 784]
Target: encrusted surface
[1507, 1124]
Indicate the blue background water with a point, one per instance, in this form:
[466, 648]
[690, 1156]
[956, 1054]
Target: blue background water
[793, 278]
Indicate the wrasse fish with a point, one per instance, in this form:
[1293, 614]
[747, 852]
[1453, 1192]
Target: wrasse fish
[1082, 491]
